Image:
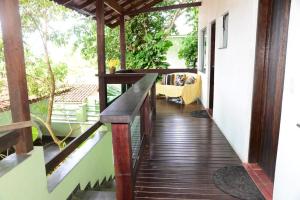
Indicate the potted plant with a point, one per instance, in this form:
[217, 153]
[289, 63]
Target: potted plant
[112, 65]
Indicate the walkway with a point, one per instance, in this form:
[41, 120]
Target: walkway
[184, 153]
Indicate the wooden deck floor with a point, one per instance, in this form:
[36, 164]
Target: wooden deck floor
[182, 157]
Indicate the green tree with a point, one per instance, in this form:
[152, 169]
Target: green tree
[39, 17]
[145, 38]
[86, 40]
[147, 45]
[189, 48]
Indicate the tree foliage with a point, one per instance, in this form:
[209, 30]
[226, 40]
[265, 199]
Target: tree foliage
[40, 17]
[145, 38]
[147, 45]
[189, 48]
[86, 40]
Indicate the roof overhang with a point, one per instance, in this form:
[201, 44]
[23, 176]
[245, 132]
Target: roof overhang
[115, 8]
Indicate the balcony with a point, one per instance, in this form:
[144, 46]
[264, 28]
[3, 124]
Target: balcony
[159, 151]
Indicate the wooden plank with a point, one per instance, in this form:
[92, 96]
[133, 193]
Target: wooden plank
[122, 42]
[101, 52]
[166, 8]
[55, 161]
[121, 137]
[15, 68]
[126, 107]
[15, 126]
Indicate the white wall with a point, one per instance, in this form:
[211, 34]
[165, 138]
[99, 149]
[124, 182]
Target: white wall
[234, 69]
[287, 176]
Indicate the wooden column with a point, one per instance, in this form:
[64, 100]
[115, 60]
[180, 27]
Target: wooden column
[123, 161]
[101, 53]
[15, 67]
[122, 42]
[123, 48]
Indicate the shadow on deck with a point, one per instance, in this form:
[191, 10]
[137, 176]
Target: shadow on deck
[183, 155]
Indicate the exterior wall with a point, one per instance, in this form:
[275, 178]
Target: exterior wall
[31, 181]
[287, 174]
[234, 68]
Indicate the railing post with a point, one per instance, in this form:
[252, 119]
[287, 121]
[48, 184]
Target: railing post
[153, 100]
[15, 68]
[121, 138]
[146, 125]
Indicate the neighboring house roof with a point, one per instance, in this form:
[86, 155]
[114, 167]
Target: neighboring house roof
[4, 97]
[77, 94]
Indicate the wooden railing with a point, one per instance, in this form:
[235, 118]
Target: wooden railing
[64, 153]
[10, 135]
[138, 100]
[158, 71]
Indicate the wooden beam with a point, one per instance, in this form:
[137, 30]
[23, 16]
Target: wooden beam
[114, 5]
[15, 68]
[165, 8]
[122, 42]
[142, 7]
[101, 52]
[85, 4]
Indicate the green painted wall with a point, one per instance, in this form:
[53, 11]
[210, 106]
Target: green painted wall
[28, 180]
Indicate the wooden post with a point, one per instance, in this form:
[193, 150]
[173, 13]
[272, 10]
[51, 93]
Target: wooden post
[15, 67]
[123, 47]
[146, 124]
[153, 100]
[121, 138]
[101, 53]
[122, 42]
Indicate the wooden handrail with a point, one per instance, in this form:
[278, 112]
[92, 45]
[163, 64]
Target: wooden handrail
[15, 126]
[126, 107]
[158, 71]
[55, 161]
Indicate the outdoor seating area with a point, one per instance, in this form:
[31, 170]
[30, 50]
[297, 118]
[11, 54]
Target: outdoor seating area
[186, 86]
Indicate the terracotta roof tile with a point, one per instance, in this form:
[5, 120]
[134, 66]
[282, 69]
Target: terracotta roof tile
[78, 93]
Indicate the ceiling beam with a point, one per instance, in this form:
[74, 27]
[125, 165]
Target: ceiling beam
[114, 5]
[143, 7]
[165, 8]
[86, 4]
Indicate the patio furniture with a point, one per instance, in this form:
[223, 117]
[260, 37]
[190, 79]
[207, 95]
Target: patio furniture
[188, 92]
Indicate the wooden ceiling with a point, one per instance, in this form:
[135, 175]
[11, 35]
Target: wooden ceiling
[113, 8]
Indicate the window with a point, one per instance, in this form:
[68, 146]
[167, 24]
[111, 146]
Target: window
[203, 49]
[224, 36]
